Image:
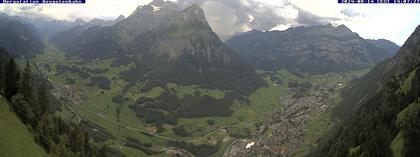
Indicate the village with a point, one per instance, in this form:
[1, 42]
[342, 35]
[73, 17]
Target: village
[286, 130]
[289, 124]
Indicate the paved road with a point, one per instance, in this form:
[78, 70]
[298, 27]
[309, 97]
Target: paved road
[229, 147]
[79, 119]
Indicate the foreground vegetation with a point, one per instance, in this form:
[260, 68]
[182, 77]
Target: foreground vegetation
[15, 139]
[30, 102]
[381, 110]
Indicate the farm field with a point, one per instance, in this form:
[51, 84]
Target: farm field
[97, 105]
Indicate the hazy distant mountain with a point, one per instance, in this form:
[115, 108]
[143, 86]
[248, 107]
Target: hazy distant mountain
[386, 45]
[18, 37]
[167, 44]
[48, 27]
[98, 22]
[101, 22]
[382, 109]
[313, 49]
[77, 28]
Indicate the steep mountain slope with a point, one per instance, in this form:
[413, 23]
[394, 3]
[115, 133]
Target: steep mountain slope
[15, 139]
[387, 46]
[27, 118]
[49, 28]
[19, 37]
[167, 44]
[77, 28]
[384, 109]
[313, 49]
[104, 23]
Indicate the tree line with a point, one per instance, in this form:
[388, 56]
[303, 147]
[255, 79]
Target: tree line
[29, 101]
[370, 131]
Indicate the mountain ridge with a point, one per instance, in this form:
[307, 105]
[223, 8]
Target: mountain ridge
[380, 108]
[313, 49]
[19, 37]
[168, 44]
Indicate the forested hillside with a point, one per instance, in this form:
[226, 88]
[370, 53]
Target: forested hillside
[30, 103]
[385, 112]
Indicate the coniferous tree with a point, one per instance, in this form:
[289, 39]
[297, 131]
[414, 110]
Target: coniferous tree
[26, 84]
[58, 137]
[25, 101]
[78, 139]
[42, 101]
[22, 109]
[2, 85]
[60, 149]
[45, 131]
[11, 79]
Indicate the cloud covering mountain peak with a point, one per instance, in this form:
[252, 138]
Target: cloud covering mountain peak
[230, 17]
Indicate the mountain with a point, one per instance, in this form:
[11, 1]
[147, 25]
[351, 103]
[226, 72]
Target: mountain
[167, 44]
[313, 49]
[97, 22]
[381, 110]
[101, 22]
[48, 27]
[119, 18]
[19, 38]
[387, 46]
[77, 28]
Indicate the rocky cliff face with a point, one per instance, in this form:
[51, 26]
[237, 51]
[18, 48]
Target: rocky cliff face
[314, 49]
[167, 44]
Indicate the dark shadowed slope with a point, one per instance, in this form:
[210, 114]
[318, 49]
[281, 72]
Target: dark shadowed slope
[382, 110]
[19, 37]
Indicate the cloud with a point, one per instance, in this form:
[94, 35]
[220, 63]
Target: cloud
[7, 10]
[230, 17]
[226, 26]
[280, 27]
[233, 16]
[28, 7]
[350, 13]
[104, 9]
[393, 22]
[307, 18]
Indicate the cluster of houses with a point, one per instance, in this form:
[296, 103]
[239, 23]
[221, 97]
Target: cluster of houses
[289, 124]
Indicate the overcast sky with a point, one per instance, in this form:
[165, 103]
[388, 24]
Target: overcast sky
[228, 17]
